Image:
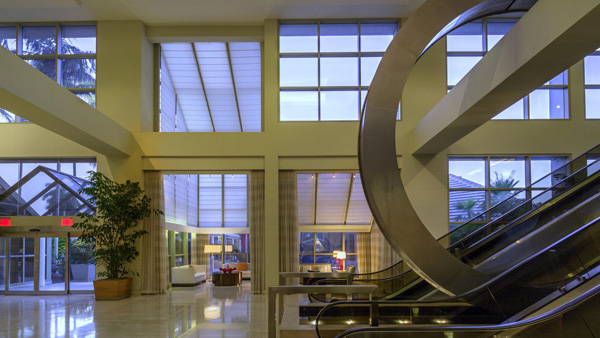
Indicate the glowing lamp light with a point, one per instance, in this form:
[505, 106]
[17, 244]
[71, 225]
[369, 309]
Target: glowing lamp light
[4, 222]
[66, 222]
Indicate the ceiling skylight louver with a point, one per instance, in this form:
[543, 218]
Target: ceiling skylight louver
[217, 84]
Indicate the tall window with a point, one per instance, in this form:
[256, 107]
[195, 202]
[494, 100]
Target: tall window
[207, 200]
[469, 43]
[236, 248]
[320, 248]
[476, 183]
[64, 53]
[326, 67]
[592, 85]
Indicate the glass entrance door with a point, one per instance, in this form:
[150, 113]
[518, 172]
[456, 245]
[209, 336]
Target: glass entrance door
[21, 264]
[82, 270]
[51, 264]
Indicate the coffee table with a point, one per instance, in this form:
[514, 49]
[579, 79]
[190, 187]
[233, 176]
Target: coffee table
[227, 279]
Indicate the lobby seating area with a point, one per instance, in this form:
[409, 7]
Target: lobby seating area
[241, 267]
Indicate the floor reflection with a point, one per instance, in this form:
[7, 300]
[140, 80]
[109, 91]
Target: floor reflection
[201, 311]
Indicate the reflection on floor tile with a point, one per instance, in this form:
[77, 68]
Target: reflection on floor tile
[201, 311]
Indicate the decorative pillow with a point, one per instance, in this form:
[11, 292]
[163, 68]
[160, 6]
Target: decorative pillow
[242, 266]
[191, 265]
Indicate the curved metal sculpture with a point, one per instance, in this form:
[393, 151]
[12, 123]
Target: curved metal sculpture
[379, 170]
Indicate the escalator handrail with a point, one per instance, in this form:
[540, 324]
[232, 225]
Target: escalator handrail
[464, 295]
[558, 311]
[483, 227]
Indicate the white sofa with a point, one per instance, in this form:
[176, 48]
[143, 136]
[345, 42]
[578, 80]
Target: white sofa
[246, 274]
[190, 275]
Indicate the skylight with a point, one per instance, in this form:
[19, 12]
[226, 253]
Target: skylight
[211, 87]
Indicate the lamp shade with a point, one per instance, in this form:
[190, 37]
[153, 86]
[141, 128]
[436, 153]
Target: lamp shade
[210, 248]
[341, 255]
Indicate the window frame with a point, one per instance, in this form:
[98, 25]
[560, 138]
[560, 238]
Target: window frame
[57, 57]
[587, 86]
[487, 189]
[358, 55]
[314, 253]
[526, 109]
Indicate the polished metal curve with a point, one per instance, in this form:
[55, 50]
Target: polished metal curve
[383, 186]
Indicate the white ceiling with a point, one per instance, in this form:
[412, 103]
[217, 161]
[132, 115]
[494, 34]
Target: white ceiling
[201, 12]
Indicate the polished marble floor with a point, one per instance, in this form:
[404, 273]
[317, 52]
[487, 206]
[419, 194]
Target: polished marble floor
[203, 311]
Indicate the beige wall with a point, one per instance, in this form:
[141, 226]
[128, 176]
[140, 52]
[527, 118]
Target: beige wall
[125, 94]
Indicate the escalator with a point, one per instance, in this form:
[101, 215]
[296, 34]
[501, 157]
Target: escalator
[566, 199]
[548, 276]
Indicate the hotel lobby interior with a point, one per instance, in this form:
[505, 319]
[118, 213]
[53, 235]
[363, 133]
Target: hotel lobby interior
[390, 168]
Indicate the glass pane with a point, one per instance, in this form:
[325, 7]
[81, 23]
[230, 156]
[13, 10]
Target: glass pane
[559, 80]
[88, 97]
[593, 165]
[298, 106]
[6, 116]
[543, 165]
[592, 69]
[498, 196]
[52, 264]
[2, 263]
[514, 112]
[307, 259]
[210, 200]
[592, 103]
[298, 72]
[79, 40]
[339, 37]
[328, 242]
[306, 242]
[376, 37]
[466, 172]
[464, 205]
[47, 67]
[350, 242]
[78, 73]
[298, 38]
[178, 243]
[332, 197]
[306, 198]
[358, 209]
[39, 40]
[326, 259]
[339, 71]
[236, 200]
[508, 172]
[368, 67]
[339, 105]
[548, 104]
[459, 66]
[496, 30]
[468, 38]
[8, 40]
[21, 264]
[351, 260]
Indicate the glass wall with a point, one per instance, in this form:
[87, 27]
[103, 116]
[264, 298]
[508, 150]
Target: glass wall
[326, 67]
[468, 44]
[207, 200]
[332, 199]
[64, 53]
[477, 183]
[2, 262]
[44, 187]
[592, 85]
[320, 248]
[234, 248]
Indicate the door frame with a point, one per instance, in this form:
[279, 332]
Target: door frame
[38, 235]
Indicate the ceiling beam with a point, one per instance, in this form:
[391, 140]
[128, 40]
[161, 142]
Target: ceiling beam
[212, 122]
[30, 94]
[237, 102]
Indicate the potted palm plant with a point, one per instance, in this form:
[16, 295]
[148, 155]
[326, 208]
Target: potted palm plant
[114, 229]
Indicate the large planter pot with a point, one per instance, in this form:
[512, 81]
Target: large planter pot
[112, 289]
[83, 272]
